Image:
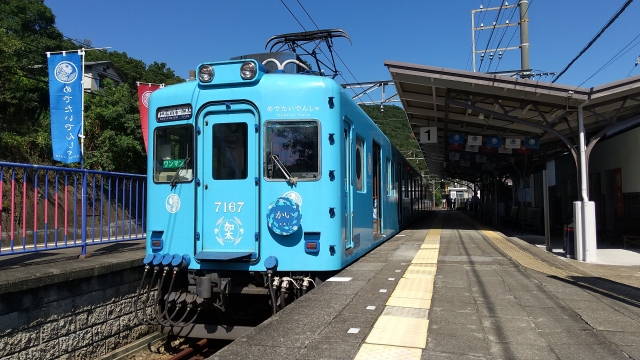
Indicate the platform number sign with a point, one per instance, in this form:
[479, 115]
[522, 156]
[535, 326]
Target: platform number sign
[429, 135]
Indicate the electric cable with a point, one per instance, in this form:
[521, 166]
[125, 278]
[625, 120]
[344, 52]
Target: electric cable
[514, 33]
[490, 36]
[615, 16]
[290, 12]
[502, 37]
[634, 66]
[613, 59]
[334, 50]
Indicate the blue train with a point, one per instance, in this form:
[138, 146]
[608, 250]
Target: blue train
[263, 183]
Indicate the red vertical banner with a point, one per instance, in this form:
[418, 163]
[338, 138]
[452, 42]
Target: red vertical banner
[144, 93]
[617, 188]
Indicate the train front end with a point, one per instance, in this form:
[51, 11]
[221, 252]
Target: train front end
[240, 201]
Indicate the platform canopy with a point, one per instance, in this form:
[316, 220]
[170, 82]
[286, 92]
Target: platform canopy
[468, 104]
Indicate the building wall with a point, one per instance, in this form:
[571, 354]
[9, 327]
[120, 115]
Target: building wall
[619, 152]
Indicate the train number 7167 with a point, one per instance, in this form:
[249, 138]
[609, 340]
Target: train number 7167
[229, 206]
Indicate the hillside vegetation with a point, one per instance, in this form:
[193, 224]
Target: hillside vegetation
[112, 122]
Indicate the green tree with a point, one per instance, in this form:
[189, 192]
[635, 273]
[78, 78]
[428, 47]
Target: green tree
[112, 130]
[394, 124]
[27, 31]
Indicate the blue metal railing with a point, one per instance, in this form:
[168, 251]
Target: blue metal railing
[35, 208]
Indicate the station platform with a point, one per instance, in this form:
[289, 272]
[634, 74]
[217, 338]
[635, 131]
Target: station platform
[447, 288]
[451, 288]
[29, 270]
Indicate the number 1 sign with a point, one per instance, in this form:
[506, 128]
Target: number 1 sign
[429, 135]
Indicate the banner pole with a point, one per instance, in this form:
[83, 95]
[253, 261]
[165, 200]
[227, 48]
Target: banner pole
[81, 52]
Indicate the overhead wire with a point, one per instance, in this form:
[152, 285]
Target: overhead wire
[604, 28]
[514, 33]
[490, 36]
[634, 66]
[502, 37]
[614, 58]
[291, 12]
[334, 50]
[498, 22]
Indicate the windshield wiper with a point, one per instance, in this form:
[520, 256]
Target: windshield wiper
[176, 176]
[287, 175]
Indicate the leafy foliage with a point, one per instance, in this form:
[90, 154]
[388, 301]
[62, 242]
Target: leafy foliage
[112, 123]
[27, 31]
[393, 122]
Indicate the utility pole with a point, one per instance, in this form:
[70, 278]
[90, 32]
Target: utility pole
[525, 71]
[524, 39]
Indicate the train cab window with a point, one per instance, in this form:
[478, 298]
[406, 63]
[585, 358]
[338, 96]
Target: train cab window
[230, 151]
[389, 169]
[292, 150]
[173, 154]
[359, 164]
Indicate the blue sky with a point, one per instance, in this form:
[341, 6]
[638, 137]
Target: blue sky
[436, 33]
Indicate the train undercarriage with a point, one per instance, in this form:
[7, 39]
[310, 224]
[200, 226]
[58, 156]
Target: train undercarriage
[216, 305]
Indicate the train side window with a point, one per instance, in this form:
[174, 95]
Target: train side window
[292, 149]
[173, 154]
[230, 151]
[359, 164]
[389, 178]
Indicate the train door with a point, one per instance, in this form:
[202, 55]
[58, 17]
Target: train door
[347, 234]
[229, 184]
[377, 200]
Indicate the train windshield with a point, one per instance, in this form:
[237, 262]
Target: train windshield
[173, 154]
[230, 151]
[292, 150]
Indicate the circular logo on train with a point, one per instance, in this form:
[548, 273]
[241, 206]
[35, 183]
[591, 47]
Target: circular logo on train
[172, 203]
[293, 195]
[66, 72]
[145, 98]
[284, 216]
[229, 231]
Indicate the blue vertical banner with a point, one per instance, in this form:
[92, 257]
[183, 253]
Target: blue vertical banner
[65, 94]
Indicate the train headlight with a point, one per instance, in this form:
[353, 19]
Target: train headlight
[248, 70]
[206, 73]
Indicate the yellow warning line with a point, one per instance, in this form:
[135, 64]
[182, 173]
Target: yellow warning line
[523, 258]
[531, 262]
[403, 335]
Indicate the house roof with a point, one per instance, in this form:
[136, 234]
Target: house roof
[99, 67]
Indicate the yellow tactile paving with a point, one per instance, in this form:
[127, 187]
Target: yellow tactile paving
[415, 271]
[385, 352]
[430, 246]
[414, 289]
[426, 256]
[403, 337]
[399, 331]
[525, 259]
[408, 302]
[431, 240]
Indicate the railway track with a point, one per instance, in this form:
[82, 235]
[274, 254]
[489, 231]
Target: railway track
[158, 347]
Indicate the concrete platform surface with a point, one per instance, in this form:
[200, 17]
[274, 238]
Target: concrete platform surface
[491, 297]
